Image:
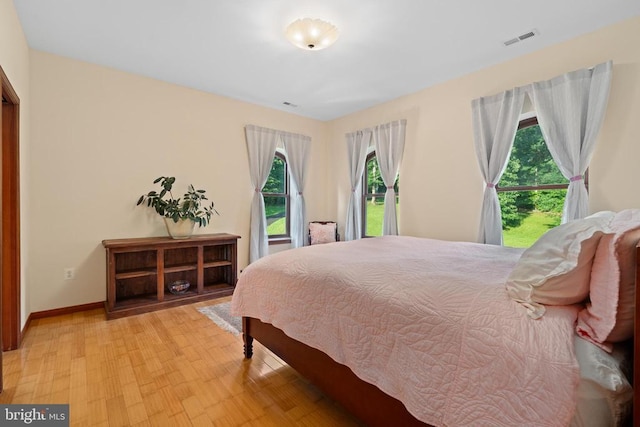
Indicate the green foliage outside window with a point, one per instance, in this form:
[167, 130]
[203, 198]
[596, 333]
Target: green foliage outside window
[528, 214]
[275, 198]
[375, 190]
[276, 183]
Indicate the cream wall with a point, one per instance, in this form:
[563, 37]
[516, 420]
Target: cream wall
[99, 139]
[14, 60]
[441, 186]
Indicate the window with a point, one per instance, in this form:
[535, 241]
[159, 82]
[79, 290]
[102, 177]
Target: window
[276, 199]
[532, 189]
[373, 190]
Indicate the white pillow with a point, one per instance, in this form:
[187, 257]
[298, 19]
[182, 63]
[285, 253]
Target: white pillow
[605, 396]
[556, 269]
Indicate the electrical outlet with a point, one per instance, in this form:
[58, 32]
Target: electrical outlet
[69, 273]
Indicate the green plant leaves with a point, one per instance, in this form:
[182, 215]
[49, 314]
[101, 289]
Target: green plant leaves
[176, 209]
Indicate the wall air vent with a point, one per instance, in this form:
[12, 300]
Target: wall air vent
[521, 37]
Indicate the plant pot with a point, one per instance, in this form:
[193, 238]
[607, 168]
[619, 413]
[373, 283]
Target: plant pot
[183, 229]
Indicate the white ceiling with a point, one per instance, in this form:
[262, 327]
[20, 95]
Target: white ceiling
[236, 48]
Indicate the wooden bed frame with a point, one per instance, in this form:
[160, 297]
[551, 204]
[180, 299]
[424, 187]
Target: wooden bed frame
[364, 400]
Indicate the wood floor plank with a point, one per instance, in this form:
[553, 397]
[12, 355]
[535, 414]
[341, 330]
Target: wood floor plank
[96, 414]
[136, 412]
[171, 367]
[117, 412]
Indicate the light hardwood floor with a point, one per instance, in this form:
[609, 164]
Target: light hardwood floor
[172, 367]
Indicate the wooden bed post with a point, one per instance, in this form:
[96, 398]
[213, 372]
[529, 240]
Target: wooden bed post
[247, 338]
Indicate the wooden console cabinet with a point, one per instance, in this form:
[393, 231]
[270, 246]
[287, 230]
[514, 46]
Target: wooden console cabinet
[139, 271]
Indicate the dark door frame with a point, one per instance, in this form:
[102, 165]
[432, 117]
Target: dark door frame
[10, 217]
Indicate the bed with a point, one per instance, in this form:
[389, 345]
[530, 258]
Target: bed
[415, 331]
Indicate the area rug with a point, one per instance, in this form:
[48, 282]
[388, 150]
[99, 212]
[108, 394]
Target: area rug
[221, 315]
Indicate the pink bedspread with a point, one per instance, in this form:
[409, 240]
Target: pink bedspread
[427, 321]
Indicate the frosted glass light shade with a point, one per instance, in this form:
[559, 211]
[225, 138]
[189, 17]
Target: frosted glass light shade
[311, 34]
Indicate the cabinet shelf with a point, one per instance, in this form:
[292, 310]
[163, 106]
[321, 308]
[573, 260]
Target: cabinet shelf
[139, 269]
[214, 264]
[179, 268]
[135, 273]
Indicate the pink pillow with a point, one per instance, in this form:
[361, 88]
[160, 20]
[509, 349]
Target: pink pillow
[322, 233]
[608, 318]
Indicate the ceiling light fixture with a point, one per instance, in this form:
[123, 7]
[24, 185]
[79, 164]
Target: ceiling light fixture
[311, 34]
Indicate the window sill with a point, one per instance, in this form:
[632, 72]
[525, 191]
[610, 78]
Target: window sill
[280, 241]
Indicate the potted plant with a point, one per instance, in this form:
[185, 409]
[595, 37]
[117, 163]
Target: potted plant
[180, 215]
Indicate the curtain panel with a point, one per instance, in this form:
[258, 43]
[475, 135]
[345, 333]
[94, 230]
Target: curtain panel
[389, 144]
[495, 121]
[261, 147]
[357, 144]
[571, 110]
[297, 148]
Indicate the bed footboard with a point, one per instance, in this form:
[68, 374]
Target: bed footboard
[364, 400]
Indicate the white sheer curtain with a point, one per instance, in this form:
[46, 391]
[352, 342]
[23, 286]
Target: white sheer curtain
[297, 149]
[357, 144]
[389, 143]
[495, 120]
[261, 145]
[570, 112]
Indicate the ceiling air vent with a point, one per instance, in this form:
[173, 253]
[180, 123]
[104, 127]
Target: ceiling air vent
[521, 37]
[512, 41]
[527, 35]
